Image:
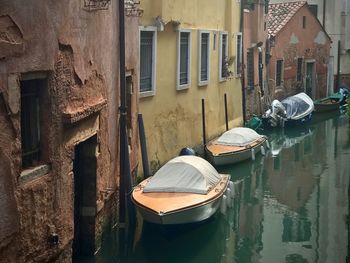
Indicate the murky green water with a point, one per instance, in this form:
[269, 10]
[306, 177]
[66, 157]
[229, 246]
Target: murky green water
[289, 206]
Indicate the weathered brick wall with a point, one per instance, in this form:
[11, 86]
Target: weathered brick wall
[78, 52]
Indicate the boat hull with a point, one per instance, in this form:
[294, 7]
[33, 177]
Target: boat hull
[234, 157]
[289, 122]
[326, 105]
[183, 216]
[180, 208]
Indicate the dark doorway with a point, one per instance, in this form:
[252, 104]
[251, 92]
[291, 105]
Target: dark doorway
[84, 168]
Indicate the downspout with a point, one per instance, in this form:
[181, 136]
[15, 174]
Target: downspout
[241, 26]
[324, 15]
[338, 68]
[125, 174]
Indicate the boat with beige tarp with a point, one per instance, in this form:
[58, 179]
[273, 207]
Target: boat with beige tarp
[236, 145]
[186, 189]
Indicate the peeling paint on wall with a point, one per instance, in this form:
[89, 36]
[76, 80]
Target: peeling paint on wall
[294, 39]
[320, 38]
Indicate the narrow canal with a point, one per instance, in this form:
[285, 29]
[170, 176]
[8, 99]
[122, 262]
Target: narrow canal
[289, 206]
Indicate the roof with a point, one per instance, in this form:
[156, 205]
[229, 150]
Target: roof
[280, 14]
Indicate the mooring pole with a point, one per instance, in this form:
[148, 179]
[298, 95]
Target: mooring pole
[143, 145]
[204, 131]
[226, 115]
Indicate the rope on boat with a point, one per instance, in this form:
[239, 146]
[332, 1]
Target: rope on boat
[253, 154]
[262, 149]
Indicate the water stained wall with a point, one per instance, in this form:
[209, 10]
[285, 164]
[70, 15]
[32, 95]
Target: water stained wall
[75, 51]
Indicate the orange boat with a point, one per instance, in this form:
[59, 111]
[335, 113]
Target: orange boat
[186, 189]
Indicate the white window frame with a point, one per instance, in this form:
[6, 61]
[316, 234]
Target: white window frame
[187, 85]
[152, 92]
[220, 54]
[282, 72]
[239, 53]
[200, 33]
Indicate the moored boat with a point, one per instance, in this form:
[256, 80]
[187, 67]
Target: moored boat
[330, 103]
[186, 189]
[235, 145]
[292, 111]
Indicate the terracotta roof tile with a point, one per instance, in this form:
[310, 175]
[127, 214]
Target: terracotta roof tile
[279, 15]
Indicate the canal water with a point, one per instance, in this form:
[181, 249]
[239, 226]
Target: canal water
[289, 206]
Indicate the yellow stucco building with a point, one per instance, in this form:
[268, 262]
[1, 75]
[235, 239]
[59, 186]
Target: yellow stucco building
[189, 51]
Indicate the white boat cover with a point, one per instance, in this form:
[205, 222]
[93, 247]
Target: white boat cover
[184, 174]
[240, 136]
[298, 106]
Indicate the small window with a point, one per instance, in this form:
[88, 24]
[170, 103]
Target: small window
[238, 54]
[299, 69]
[250, 68]
[204, 55]
[30, 122]
[223, 57]
[279, 72]
[184, 60]
[147, 61]
[304, 21]
[260, 71]
[214, 41]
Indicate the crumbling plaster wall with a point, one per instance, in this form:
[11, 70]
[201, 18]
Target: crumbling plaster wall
[78, 51]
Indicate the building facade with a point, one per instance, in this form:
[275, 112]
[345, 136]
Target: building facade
[188, 52]
[334, 15]
[59, 125]
[299, 51]
[255, 52]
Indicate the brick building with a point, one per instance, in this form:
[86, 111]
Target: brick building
[299, 51]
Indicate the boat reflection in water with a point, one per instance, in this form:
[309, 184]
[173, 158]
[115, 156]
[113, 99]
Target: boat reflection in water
[289, 206]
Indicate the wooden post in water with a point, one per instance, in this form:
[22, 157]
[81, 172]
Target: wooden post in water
[143, 145]
[204, 131]
[226, 115]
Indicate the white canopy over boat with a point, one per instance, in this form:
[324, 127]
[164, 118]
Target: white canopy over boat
[184, 174]
[240, 136]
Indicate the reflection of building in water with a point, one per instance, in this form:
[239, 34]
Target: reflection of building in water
[306, 197]
[249, 214]
[333, 162]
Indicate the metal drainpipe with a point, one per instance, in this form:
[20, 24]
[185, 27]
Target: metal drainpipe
[241, 25]
[125, 174]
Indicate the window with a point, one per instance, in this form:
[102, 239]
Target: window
[30, 122]
[148, 49]
[223, 56]
[184, 59]
[279, 72]
[238, 54]
[250, 68]
[299, 69]
[304, 21]
[260, 71]
[204, 57]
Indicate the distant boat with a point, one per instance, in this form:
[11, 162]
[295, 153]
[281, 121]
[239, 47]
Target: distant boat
[292, 111]
[186, 189]
[235, 145]
[330, 103]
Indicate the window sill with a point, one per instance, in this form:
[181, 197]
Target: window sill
[30, 174]
[147, 94]
[183, 87]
